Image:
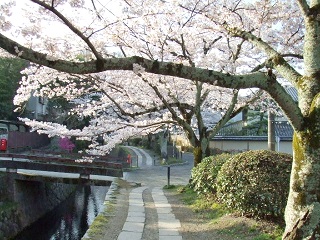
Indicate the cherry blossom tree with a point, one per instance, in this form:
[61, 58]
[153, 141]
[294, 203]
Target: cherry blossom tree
[232, 44]
[120, 106]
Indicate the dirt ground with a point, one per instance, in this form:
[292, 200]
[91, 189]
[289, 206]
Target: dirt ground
[200, 226]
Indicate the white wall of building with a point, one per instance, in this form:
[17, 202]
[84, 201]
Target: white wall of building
[37, 107]
[245, 145]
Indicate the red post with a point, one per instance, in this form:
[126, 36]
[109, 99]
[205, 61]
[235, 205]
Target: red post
[129, 159]
[3, 145]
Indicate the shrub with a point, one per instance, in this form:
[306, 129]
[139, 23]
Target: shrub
[255, 183]
[186, 148]
[135, 141]
[205, 173]
[122, 152]
[66, 144]
[81, 145]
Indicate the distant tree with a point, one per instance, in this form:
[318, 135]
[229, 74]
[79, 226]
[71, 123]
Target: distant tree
[9, 82]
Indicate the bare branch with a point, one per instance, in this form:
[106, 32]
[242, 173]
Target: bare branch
[304, 7]
[256, 79]
[226, 117]
[206, 48]
[70, 26]
[185, 123]
[276, 59]
[94, 7]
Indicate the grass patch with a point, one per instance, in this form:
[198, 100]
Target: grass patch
[171, 161]
[207, 208]
[264, 236]
[276, 234]
[228, 225]
[96, 230]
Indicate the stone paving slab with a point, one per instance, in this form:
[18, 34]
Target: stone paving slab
[136, 208]
[160, 198]
[162, 205]
[170, 238]
[136, 195]
[138, 190]
[136, 219]
[169, 224]
[164, 210]
[168, 232]
[133, 227]
[130, 235]
[136, 203]
[166, 216]
[136, 214]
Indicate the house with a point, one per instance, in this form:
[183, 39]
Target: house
[283, 133]
[36, 108]
[251, 133]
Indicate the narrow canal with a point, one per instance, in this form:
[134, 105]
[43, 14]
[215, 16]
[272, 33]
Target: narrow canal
[71, 219]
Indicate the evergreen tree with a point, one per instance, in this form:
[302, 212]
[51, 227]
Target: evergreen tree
[9, 80]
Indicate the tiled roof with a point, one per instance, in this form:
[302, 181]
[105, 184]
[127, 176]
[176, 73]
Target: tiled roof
[283, 129]
[292, 91]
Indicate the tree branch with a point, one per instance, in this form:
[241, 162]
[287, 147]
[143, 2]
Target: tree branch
[256, 79]
[250, 80]
[226, 117]
[304, 7]
[286, 103]
[70, 26]
[276, 59]
[182, 122]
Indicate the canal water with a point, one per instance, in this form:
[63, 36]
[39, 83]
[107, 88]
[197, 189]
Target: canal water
[71, 219]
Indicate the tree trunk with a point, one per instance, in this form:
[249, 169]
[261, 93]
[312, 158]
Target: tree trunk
[201, 150]
[164, 145]
[302, 213]
[197, 154]
[303, 208]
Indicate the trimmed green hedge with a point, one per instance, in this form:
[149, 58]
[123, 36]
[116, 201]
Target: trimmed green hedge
[255, 183]
[203, 176]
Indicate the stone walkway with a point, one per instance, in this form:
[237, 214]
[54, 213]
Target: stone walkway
[153, 178]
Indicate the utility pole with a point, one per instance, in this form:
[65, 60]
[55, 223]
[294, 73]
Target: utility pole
[271, 132]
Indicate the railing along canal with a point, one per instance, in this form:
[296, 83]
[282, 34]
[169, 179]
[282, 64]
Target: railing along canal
[58, 164]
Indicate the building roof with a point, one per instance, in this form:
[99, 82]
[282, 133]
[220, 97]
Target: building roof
[283, 130]
[292, 91]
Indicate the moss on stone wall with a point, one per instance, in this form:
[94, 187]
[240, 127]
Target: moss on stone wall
[24, 202]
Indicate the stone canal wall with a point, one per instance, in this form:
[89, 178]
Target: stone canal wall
[23, 202]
